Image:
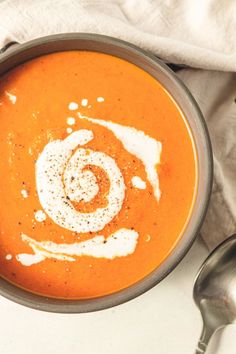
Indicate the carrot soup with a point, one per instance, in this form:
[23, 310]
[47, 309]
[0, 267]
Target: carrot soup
[97, 174]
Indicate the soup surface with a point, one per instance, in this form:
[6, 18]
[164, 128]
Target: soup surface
[97, 174]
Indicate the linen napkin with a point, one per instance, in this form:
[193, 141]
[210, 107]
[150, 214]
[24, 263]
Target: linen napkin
[199, 34]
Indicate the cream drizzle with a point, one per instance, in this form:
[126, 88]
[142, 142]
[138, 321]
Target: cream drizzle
[73, 106]
[136, 142]
[59, 164]
[138, 183]
[11, 97]
[119, 244]
[24, 193]
[70, 120]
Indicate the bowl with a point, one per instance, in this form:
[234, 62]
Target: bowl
[16, 54]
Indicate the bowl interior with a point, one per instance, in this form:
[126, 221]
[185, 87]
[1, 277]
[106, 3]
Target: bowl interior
[21, 53]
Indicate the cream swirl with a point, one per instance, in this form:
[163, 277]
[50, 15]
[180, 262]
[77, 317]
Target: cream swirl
[61, 178]
[64, 177]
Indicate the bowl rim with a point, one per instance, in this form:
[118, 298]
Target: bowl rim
[31, 300]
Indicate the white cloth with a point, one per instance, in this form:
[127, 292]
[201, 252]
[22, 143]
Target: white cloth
[215, 93]
[197, 33]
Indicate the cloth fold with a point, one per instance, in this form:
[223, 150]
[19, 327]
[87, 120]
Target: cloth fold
[199, 34]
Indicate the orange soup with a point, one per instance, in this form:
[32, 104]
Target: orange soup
[98, 174]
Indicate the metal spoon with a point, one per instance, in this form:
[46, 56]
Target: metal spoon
[215, 290]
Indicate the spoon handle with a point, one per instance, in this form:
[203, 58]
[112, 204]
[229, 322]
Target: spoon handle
[207, 332]
[201, 347]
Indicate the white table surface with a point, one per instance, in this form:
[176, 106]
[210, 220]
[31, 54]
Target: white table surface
[162, 321]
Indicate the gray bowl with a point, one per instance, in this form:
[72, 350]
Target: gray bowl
[20, 53]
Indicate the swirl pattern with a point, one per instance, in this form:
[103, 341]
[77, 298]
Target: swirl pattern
[62, 178]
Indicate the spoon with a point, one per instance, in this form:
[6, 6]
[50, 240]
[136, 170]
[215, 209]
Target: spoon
[215, 290]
